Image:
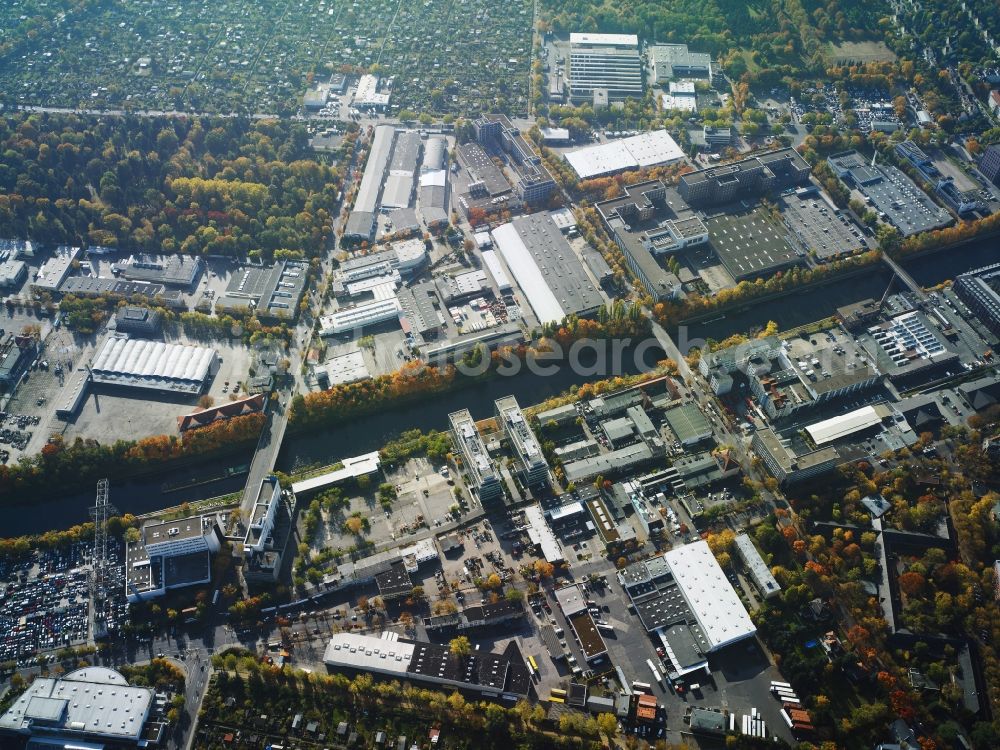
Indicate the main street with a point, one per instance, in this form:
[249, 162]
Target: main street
[269, 444]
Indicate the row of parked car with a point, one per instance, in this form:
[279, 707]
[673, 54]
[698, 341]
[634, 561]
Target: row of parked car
[41, 611]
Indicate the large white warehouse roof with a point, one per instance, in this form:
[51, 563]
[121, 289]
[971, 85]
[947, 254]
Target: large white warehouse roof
[837, 428]
[643, 150]
[369, 653]
[356, 318]
[716, 606]
[94, 702]
[152, 364]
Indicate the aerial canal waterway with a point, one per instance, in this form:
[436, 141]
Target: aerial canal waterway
[800, 308]
[198, 482]
[175, 486]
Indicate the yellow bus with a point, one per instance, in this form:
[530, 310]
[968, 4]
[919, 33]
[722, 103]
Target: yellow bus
[558, 693]
[554, 699]
[533, 665]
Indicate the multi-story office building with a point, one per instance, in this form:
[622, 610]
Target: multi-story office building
[169, 555]
[262, 519]
[782, 387]
[755, 176]
[485, 476]
[181, 537]
[533, 467]
[604, 63]
[989, 164]
[643, 224]
[717, 137]
[789, 462]
[760, 572]
[719, 367]
[978, 290]
[532, 182]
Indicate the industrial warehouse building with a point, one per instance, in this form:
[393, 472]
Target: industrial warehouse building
[433, 182]
[895, 197]
[573, 604]
[368, 94]
[56, 269]
[843, 426]
[153, 365]
[651, 149]
[13, 273]
[361, 223]
[273, 293]
[138, 321]
[668, 61]
[398, 190]
[180, 271]
[359, 317]
[715, 604]
[85, 708]
[481, 673]
[978, 290]
[685, 598]
[546, 268]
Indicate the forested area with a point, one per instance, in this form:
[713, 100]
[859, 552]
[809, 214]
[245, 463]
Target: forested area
[760, 33]
[199, 185]
[945, 593]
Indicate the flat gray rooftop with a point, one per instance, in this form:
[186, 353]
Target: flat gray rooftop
[889, 191]
[750, 243]
[481, 166]
[561, 269]
[820, 228]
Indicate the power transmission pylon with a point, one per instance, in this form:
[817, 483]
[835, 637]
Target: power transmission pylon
[100, 512]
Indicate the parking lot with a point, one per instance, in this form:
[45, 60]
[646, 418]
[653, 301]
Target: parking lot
[45, 605]
[873, 108]
[38, 395]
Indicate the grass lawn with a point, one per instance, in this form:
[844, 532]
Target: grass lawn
[861, 52]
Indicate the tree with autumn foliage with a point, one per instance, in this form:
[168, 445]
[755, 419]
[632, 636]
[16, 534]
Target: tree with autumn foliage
[61, 466]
